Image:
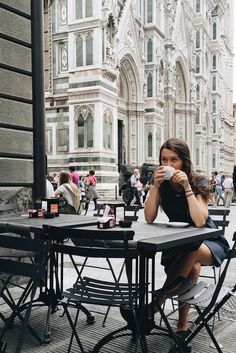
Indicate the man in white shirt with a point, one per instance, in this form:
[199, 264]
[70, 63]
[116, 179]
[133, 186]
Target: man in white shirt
[228, 190]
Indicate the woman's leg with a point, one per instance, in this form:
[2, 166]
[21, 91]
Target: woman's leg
[184, 309]
[186, 266]
[95, 203]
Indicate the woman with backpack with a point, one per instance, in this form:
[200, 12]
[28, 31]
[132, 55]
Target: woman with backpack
[69, 192]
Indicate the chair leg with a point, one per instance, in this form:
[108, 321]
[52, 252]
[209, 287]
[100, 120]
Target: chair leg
[116, 280]
[73, 325]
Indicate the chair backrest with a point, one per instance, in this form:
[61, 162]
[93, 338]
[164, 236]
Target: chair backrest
[230, 256]
[12, 266]
[130, 212]
[99, 210]
[219, 216]
[95, 243]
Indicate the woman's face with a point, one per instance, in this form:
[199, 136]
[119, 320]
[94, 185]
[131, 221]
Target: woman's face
[170, 158]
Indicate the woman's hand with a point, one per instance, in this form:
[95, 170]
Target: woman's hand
[181, 178]
[159, 176]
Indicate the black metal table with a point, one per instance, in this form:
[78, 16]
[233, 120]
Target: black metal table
[49, 293]
[35, 225]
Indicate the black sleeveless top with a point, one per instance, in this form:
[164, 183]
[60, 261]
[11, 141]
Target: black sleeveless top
[175, 206]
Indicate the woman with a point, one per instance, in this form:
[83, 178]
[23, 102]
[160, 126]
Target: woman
[70, 193]
[184, 198]
[91, 187]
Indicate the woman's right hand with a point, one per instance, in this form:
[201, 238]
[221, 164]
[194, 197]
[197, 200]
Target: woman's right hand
[159, 176]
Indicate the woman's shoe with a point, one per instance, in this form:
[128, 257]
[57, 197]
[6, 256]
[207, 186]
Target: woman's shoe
[129, 316]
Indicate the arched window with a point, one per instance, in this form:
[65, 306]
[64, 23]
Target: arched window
[89, 126]
[214, 30]
[88, 8]
[214, 62]
[79, 51]
[79, 9]
[197, 39]
[84, 50]
[85, 128]
[149, 50]
[198, 7]
[197, 120]
[213, 161]
[214, 125]
[149, 85]
[197, 156]
[80, 131]
[107, 130]
[197, 64]
[149, 144]
[213, 106]
[214, 83]
[149, 11]
[89, 50]
[198, 92]
[83, 8]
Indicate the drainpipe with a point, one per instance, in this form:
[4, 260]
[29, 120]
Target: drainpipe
[39, 187]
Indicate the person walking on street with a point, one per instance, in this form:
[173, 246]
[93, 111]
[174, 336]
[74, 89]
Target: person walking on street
[228, 190]
[135, 181]
[74, 175]
[218, 189]
[234, 182]
[92, 193]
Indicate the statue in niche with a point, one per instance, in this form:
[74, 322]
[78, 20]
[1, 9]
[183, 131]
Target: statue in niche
[109, 39]
[145, 90]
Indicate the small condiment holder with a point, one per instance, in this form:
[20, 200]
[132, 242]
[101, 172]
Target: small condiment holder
[106, 221]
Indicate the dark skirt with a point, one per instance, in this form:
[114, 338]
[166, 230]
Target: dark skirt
[218, 247]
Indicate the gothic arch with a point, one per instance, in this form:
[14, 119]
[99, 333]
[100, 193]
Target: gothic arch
[181, 90]
[129, 77]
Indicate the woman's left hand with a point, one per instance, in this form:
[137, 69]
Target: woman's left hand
[181, 178]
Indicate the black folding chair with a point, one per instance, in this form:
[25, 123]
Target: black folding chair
[207, 299]
[99, 244]
[31, 272]
[131, 212]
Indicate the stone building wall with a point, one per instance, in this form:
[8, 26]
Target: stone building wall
[16, 127]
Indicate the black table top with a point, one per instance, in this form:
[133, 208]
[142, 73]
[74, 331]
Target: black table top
[157, 237]
[35, 225]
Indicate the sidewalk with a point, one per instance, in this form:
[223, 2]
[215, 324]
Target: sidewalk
[60, 332]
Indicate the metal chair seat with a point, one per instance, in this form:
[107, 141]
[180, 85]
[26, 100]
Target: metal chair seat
[207, 299]
[90, 290]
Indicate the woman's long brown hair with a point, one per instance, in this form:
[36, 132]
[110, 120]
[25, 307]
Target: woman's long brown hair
[182, 150]
[65, 178]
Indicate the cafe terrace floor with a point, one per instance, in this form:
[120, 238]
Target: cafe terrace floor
[225, 328]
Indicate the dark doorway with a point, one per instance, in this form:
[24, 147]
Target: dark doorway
[120, 144]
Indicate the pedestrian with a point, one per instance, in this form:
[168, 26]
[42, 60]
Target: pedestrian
[148, 184]
[184, 198]
[92, 193]
[74, 175]
[135, 185]
[228, 190]
[218, 189]
[212, 189]
[234, 182]
[69, 192]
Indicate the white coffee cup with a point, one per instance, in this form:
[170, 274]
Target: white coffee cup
[169, 172]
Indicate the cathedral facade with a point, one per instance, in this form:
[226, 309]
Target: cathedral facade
[122, 76]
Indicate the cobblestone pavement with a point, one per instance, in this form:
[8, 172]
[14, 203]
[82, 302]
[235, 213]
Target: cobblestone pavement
[225, 328]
